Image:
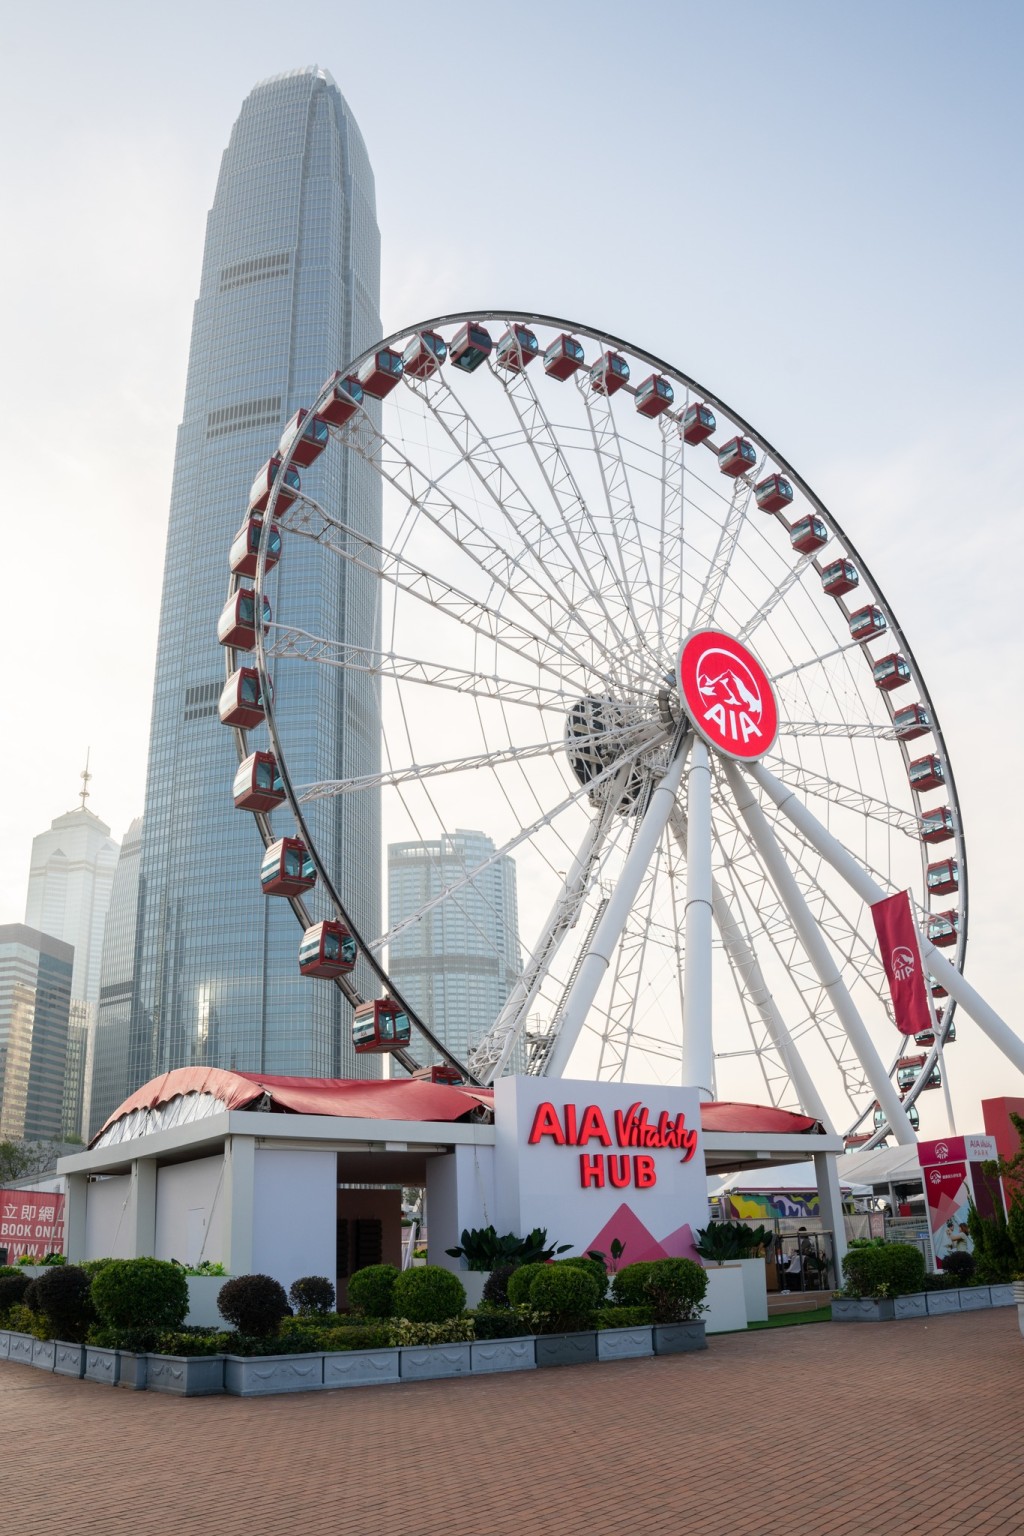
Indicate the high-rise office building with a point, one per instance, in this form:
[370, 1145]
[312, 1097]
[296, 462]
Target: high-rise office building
[458, 963]
[289, 292]
[71, 875]
[35, 997]
[121, 938]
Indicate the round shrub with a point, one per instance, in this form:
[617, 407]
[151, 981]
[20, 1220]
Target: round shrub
[567, 1295]
[593, 1267]
[140, 1293]
[496, 1285]
[892, 1269]
[312, 1296]
[672, 1288]
[519, 1283]
[12, 1290]
[371, 1290]
[254, 1304]
[62, 1297]
[429, 1295]
[960, 1264]
[630, 1285]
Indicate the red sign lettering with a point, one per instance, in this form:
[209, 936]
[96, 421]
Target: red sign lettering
[591, 1171]
[634, 1129]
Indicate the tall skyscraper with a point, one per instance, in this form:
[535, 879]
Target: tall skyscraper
[289, 292]
[114, 1030]
[35, 997]
[458, 964]
[71, 875]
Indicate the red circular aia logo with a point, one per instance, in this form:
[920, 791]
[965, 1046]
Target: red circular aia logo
[727, 695]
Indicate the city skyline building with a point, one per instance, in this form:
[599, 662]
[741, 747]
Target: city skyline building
[457, 965]
[71, 875]
[35, 999]
[289, 292]
[114, 1009]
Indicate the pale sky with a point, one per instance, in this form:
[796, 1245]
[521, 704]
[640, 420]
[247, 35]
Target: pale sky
[814, 210]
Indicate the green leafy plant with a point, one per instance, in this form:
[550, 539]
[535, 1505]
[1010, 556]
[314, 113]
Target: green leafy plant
[62, 1297]
[372, 1290]
[254, 1304]
[429, 1295]
[624, 1317]
[483, 1249]
[405, 1331]
[519, 1283]
[674, 1289]
[207, 1267]
[496, 1285]
[593, 1267]
[21, 1319]
[504, 1322]
[961, 1265]
[892, 1269]
[12, 1293]
[312, 1296]
[722, 1241]
[566, 1295]
[140, 1294]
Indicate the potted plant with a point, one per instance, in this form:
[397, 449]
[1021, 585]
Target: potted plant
[875, 1276]
[674, 1290]
[482, 1250]
[431, 1301]
[567, 1298]
[733, 1242]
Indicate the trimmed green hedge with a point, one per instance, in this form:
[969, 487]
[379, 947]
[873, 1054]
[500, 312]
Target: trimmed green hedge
[429, 1294]
[372, 1290]
[892, 1269]
[140, 1293]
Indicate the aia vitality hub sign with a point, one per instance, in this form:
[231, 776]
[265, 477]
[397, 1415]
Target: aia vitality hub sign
[592, 1162]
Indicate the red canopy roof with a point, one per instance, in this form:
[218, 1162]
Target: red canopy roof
[406, 1098]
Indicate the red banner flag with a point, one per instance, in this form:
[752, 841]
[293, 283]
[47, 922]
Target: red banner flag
[901, 957]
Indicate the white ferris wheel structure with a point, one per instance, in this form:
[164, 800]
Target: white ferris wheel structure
[561, 512]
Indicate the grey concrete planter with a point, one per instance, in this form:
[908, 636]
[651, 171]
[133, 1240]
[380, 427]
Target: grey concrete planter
[5, 1343]
[914, 1305]
[865, 1309]
[679, 1338]
[422, 1362]
[624, 1343]
[975, 1298]
[503, 1355]
[102, 1365]
[133, 1370]
[44, 1352]
[186, 1375]
[566, 1348]
[21, 1348]
[69, 1359]
[942, 1302]
[261, 1375]
[360, 1367]
[1002, 1295]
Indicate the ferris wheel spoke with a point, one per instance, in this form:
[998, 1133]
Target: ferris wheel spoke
[817, 660]
[836, 730]
[548, 650]
[620, 1014]
[797, 777]
[793, 576]
[671, 524]
[739, 503]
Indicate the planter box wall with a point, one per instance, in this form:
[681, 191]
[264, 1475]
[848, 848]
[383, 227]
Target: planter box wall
[975, 1298]
[261, 1375]
[942, 1302]
[5, 1343]
[864, 1309]
[102, 1365]
[360, 1367]
[21, 1348]
[914, 1305]
[44, 1352]
[1002, 1295]
[133, 1370]
[503, 1354]
[679, 1338]
[186, 1375]
[423, 1362]
[566, 1348]
[69, 1359]
[624, 1343]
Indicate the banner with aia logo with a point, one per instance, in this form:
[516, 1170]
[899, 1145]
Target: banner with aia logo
[901, 957]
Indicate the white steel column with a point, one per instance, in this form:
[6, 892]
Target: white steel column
[830, 1205]
[698, 1055]
[817, 951]
[620, 903]
[819, 837]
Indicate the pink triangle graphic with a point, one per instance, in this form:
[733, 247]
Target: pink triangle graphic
[625, 1225]
[679, 1244]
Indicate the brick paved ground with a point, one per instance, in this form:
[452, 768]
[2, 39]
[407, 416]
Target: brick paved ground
[915, 1428]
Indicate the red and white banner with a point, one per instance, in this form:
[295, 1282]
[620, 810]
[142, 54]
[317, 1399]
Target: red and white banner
[901, 957]
[31, 1222]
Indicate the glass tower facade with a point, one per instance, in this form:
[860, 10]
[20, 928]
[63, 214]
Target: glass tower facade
[458, 964]
[35, 999]
[289, 292]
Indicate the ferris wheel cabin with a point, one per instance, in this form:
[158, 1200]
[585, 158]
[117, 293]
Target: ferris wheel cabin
[246, 543]
[839, 578]
[263, 485]
[944, 928]
[890, 672]
[808, 534]
[936, 988]
[867, 622]
[563, 357]
[936, 826]
[698, 423]
[653, 396]
[609, 373]
[878, 1117]
[516, 349]
[926, 773]
[926, 1038]
[773, 494]
[241, 700]
[470, 347]
[237, 623]
[381, 372]
[344, 400]
[736, 456]
[943, 877]
[327, 950]
[424, 354]
[309, 435]
[380, 1026]
[287, 869]
[258, 785]
[858, 1139]
[910, 722]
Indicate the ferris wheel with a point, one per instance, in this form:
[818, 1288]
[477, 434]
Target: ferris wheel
[566, 519]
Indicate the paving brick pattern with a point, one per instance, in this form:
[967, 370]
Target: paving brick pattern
[914, 1428]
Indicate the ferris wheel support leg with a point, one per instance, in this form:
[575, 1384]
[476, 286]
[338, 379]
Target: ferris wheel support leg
[620, 903]
[817, 951]
[698, 1055]
[868, 889]
[744, 959]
